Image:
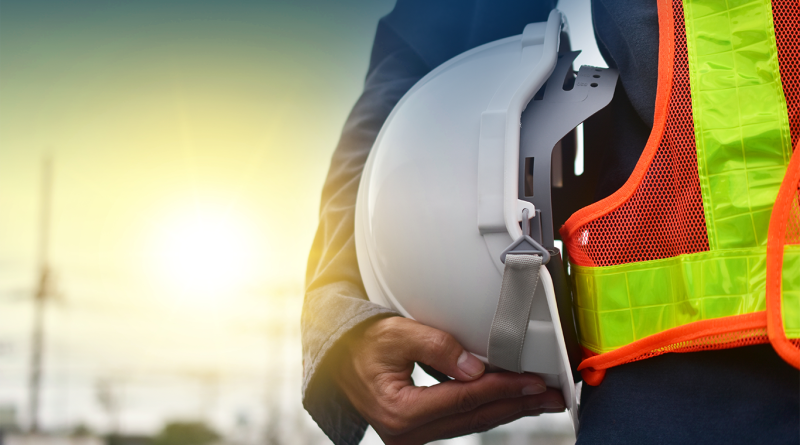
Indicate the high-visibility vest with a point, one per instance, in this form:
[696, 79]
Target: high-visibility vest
[700, 249]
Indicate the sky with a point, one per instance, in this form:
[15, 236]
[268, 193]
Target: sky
[189, 142]
[149, 106]
[178, 130]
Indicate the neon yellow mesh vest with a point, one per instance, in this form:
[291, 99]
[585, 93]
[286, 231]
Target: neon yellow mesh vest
[700, 249]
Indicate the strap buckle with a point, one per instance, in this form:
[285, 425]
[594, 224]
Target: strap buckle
[525, 245]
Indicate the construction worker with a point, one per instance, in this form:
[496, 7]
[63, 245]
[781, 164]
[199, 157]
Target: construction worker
[358, 356]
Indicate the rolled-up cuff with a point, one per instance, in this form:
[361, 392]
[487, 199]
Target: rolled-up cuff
[322, 329]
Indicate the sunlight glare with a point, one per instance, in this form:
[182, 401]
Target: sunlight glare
[206, 254]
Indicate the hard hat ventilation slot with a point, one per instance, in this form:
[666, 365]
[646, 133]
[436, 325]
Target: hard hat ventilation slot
[569, 80]
[557, 166]
[528, 177]
[578, 167]
[540, 94]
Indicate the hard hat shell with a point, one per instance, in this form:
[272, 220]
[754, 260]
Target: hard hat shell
[437, 203]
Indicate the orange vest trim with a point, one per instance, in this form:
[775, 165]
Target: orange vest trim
[670, 135]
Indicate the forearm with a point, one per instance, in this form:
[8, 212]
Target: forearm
[330, 312]
[335, 301]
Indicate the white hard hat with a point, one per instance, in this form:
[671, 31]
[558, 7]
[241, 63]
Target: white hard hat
[446, 185]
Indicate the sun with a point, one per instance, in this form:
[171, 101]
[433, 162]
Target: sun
[205, 253]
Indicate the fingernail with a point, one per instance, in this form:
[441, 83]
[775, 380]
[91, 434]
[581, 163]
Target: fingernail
[536, 388]
[552, 405]
[470, 364]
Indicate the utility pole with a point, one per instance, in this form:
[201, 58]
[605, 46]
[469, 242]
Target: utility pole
[42, 294]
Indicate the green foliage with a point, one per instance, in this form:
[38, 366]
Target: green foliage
[120, 439]
[186, 433]
[81, 430]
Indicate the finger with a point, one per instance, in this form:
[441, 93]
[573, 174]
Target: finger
[425, 436]
[487, 417]
[496, 413]
[440, 350]
[422, 405]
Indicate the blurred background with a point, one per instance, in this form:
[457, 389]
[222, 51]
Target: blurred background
[160, 170]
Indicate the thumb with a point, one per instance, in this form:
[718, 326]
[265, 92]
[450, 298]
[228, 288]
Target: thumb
[441, 351]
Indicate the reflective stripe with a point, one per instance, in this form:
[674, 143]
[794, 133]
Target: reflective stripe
[740, 116]
[790, 279]
[635, 300]
[617, 305]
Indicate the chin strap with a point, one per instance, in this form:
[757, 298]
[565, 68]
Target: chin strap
[510, 323]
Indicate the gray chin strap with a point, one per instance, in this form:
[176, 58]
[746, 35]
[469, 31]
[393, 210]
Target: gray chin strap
[510, 323]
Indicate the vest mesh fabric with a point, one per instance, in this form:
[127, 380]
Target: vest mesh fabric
[719, 341]
[785, 15]
[664, 217]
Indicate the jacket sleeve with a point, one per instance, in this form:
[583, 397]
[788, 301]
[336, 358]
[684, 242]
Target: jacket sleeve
[415, 37]
[335, 300]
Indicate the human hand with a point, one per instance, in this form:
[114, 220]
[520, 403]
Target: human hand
[375, 374]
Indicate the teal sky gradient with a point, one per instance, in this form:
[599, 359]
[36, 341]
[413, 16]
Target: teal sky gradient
[155, 112]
